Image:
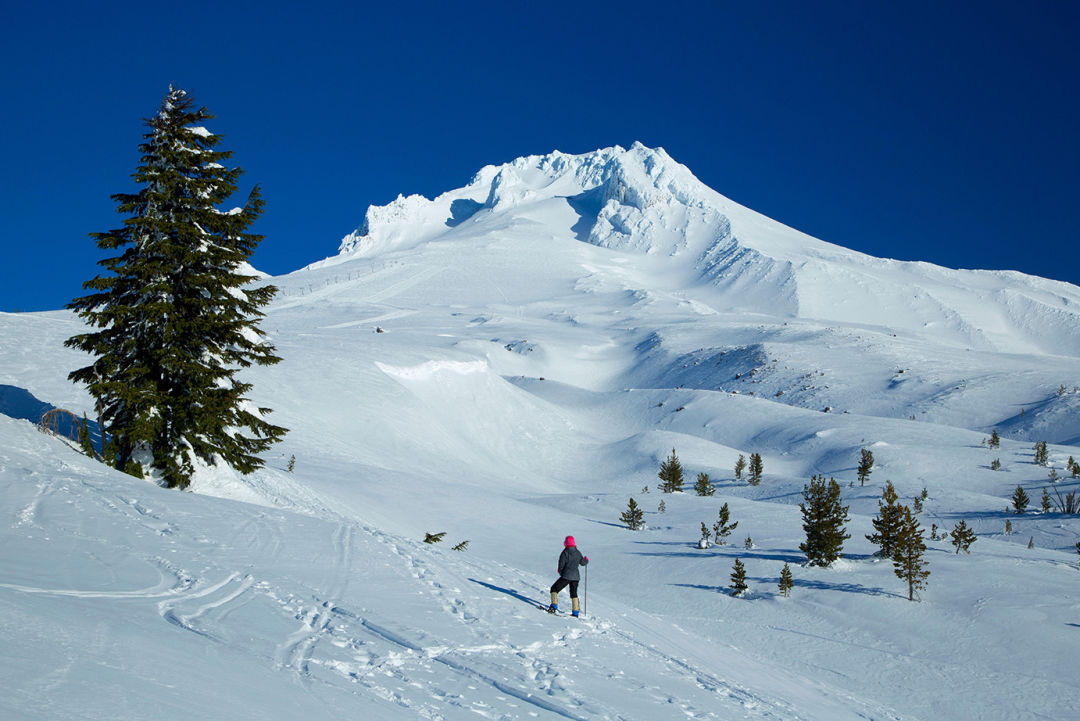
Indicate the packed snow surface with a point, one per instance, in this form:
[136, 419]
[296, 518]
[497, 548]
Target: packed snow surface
[510, 363]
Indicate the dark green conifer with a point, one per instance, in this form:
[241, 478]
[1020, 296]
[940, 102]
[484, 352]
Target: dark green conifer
[823, 521]
[738, 579]
[866, 465]
[995, 439]
[909, 562]
[887, 522]
[703, 486]
[1020, 500]
[671, 474]
[1046, 504]
[633, 516]
[962, 537]
[786, 582]
[723, 527]
[177, 311]
[757, 468]
[740, 466]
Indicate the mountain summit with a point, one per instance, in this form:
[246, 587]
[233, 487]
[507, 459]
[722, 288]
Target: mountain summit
[640, 200]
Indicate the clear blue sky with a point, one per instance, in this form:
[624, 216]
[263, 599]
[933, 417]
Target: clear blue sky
[938, 131]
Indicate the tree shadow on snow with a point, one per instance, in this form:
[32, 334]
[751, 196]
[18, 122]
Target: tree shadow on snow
[512, 592]
[798, 583]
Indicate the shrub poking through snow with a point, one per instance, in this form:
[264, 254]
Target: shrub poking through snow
[703, 542]
[434, 537]
[461, 546]
[995, 440]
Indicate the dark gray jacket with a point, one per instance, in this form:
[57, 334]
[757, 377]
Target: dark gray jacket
[569, 560]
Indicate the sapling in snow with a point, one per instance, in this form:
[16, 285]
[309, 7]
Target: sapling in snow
[786, 582]
[738, 579]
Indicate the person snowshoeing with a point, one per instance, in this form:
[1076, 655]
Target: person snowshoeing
[569, 575]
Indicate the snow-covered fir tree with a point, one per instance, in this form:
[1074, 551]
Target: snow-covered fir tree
[909, 562]
[671, 474]
[738, 579]
[177, 312]
[887, 522]
[823, 521]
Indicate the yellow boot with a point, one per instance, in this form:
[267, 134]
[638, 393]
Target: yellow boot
[554, 602]
[575, 605]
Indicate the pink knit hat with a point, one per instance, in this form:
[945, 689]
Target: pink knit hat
[569, 542]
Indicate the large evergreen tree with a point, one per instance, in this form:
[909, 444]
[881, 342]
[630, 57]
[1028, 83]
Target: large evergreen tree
[177, 312]
[671, 474]
[887, 522]
[823, 521]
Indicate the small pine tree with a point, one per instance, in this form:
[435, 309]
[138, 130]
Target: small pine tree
[933, 532]
[757, 468]
[740, 466]
[1074, 467]
[671, 474]
[909, 563]
[917, 504]
[703, 486]
[633, 516]
[995, 465]
[1045, 503]
[786, 582]
[738, 579]
[292, 463]
[1031, 541]
[704, 541]
[748, 544]
[924, 495]
[962, 537]
[723, 528]
[1020, 500]
[434, 537]
[1042, 454]
[887, 522]
[85, 443]
[1053, 475]
[995, 439]
[1008, 527]
[662, 508]
[461, 546]
[866, 466]
[823, 521]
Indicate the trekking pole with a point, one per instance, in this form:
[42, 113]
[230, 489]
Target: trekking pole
[584, 589]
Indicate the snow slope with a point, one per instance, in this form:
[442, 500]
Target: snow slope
[551, 331]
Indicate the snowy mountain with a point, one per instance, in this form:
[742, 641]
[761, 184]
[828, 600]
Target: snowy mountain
[549, 332]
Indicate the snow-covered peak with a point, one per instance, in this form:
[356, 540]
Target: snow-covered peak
[641, 201]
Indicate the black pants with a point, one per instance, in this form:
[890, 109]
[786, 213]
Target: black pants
[563, 583]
